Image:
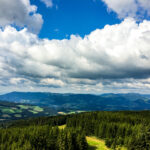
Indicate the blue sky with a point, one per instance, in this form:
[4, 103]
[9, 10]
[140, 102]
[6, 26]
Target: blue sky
[77, 46]
[78, 17]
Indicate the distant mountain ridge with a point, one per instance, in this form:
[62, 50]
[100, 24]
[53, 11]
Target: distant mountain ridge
[82, 102]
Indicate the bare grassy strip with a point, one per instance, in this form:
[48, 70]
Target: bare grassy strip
[62, 127]
[96, 144]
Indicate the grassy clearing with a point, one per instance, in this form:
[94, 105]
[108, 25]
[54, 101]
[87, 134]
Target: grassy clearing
[24, 106]
[96, 144]
[33, 109]
[18, 111]
[34, 112]
[38, 109]
[10, 110]
[7, 110]
[18, 115]
[62, 127]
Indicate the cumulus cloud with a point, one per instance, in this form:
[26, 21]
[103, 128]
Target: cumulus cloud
[52, 82]
[48, 3]
[129, 8]
[96, 62]
[20, 13]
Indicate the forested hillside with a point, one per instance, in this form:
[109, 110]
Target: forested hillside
[118, 129]
[68, 103]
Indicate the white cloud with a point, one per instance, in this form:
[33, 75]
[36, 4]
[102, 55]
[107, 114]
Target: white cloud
[129, 8]
[20, 13]
[52, 82]
[48, 3]
[15, 80]
[96, 62]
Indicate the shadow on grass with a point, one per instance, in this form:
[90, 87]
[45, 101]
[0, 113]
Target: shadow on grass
[92, 148]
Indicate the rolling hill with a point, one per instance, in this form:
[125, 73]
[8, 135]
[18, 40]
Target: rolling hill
[15, 111]
[81, 102]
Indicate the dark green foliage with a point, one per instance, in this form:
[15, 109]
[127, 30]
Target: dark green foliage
[39, 121]
[41, 138]
[129, 129]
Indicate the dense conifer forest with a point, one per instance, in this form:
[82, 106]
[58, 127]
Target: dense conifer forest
[119, 129]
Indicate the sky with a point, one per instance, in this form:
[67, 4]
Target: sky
[75, 46]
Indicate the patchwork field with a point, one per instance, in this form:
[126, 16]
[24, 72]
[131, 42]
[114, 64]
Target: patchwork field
[13, 111]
